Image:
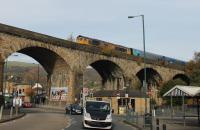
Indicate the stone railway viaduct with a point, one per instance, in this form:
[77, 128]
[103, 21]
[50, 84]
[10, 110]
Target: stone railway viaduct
[69, 59]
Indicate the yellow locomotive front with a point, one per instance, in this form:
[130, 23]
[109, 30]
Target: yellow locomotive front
[105, 46]
[82, 40]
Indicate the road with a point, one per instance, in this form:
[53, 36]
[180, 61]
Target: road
[40, 119]
[76, 124]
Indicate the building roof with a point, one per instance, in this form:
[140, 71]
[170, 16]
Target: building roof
[118, 93]
[180, 90]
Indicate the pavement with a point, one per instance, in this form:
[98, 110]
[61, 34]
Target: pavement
[7, 117]
[177, 123]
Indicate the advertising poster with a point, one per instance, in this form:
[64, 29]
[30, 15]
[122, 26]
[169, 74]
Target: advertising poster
[58, 93]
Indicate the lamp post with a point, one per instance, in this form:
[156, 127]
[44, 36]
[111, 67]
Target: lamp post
[145, 75]
[6, 75]
[37, 84]
[38, 78]
[38, 74]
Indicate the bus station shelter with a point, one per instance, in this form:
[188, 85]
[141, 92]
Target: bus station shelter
[184, 91]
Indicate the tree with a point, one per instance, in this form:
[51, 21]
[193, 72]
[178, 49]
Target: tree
[197, 56]
[193, 69]
[71, 38]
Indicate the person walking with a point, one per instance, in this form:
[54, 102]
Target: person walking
[17, 103]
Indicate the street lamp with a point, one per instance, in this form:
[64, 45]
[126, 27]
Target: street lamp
[145, 76]
[6, 75]
[38, 77]
[37, 84]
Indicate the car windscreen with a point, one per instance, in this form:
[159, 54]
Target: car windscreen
[76, 106]
[98, 106]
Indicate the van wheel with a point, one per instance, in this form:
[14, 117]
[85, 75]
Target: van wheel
[83, 127]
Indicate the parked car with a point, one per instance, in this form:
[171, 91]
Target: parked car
[73, 109]
[68, 109]
[27, 105]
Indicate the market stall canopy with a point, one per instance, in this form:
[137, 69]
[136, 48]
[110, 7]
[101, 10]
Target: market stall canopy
[180, 90]
[37, 85]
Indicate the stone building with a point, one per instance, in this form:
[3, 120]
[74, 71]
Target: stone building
[122, 100]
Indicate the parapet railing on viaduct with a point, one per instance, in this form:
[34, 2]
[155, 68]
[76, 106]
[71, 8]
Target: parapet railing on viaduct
[73, 45]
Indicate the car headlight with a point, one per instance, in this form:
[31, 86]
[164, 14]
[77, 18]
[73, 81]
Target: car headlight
[109, 117]
[87, 115]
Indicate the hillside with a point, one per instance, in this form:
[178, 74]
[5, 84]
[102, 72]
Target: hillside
[19, 64]
[26, 73]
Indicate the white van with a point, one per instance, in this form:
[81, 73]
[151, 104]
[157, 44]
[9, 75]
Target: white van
[97, 114]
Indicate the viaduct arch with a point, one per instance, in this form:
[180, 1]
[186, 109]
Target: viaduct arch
[58, 56]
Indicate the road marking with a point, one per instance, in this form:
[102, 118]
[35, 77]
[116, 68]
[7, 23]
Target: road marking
[70, 122]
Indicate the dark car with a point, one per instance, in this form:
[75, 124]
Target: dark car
[73, 109]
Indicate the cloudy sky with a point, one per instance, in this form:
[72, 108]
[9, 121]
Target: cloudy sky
[172, 26]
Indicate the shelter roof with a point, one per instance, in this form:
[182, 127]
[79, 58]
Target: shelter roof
[37, 85]
[180, 90]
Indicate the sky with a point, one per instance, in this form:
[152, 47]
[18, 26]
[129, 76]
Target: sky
[172, 27]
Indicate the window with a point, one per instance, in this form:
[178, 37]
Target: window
[120, 49]
[20, 91]
[95, 42]
[99, 99]
[123, 102]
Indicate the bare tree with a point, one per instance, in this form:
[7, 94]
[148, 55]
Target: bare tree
[71, 38]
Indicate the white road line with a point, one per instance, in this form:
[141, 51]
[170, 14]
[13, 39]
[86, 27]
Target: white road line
[70, 122]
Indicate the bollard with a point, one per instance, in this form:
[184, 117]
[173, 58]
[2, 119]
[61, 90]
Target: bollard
[16, 110]
[137, 120]
[154, 113]
[11, 112]
[157, 124]
[164, 127]
[1, 112]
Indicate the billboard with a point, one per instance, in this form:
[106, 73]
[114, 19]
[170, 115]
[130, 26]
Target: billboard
[58, 93]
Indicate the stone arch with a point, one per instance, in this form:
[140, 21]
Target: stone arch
[183, 77]
[11, 44]
[57, 68]
[153, 77]
[47, 58]
[111, 74]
